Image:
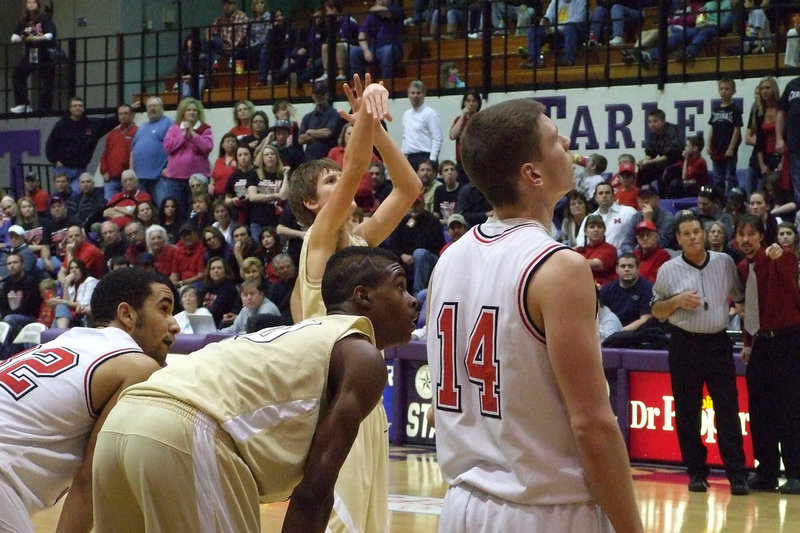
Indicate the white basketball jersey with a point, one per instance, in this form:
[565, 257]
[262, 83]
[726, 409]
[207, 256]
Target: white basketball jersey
[501, 425]
[46, 414]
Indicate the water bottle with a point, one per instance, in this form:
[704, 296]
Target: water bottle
[579, 159]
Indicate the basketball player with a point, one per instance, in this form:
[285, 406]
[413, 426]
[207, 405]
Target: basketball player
[55, 397]
[524, 432]
[321, 195]
[259, 417]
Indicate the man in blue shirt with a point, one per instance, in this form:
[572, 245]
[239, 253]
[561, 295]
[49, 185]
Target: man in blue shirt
[148, 157]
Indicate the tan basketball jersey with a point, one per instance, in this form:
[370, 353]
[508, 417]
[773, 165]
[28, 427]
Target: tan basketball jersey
[46, 413]
[265, 389]
[501, 425]
[311, 289]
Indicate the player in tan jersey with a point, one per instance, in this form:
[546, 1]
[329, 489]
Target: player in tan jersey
[258, 417]
[322, 197]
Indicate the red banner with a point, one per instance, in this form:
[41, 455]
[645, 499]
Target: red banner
[652, 420]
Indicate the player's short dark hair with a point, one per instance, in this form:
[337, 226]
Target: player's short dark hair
[510, 128]
[130, 285]
[351, 267]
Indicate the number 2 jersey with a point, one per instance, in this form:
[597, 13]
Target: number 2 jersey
[46, 413]
[501, 425]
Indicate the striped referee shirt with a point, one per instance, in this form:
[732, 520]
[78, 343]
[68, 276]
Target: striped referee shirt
[714, 281]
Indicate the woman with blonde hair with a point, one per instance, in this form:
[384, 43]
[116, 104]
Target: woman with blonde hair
[187, 143]
[761, 133]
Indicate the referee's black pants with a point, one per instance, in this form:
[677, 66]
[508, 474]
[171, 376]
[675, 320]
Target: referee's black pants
[773, 387]
[696, 359]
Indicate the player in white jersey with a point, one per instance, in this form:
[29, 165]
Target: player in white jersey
[258, 417]
[55, 397]
[524, 430]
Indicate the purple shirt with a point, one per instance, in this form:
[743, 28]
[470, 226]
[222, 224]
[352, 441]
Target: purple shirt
[384, 30]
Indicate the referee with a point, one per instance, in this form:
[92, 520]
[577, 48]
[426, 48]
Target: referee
[691, 292]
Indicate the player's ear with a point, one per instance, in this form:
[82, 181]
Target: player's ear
[529, 173]
[126, 315]
[363, 296]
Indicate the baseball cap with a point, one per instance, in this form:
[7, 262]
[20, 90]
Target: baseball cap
[456, 217]
[31, 177]
[16, 229]
[736, 193]
[284, 124]
[627, 167]
[56, 200]
[645, 191]
[185, 228]
[645, 225]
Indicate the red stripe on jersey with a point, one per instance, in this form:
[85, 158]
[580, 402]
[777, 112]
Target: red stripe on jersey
[87, 378]
[527, 274]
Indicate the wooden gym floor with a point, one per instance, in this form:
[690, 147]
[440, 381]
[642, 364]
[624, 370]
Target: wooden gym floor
[416, 489]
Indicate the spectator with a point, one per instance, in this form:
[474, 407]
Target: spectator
[227, 35]
[201, 217]
[762, 131]
[222, 219]
[724, 136]
[759, 207]
[170, 218]
[381, 187]
[379, 40]
[791, 57]
[758, 39]
[148, 155]
[601, 255]
[567, 26]
[692, 292]
[19, 302]
[77, 247]
[215, 244]
[113, 243]
[694, 171]
[456, 228]
[304, 61]
[161, 249]
[54, 238]
[243, 120]
[186, 68]
[37, 31]
[680, 24]
[135, 236]
[617, 219]
[445, 198]
[620, 16]
[454, 13]
[717, 240]
[588, 180]
[649, 255]
[284, 110]
[788, 132]
[281, 290]
[17, 245]
[265, 188]
[253, 303]
[236, 188]
[628, 192]
[191, 298]
[220, 296]
[71, 143]
[117, 153]
[418, 240]
[422, 128]
[243, 249]
[145, 213]
[662, 150]
[426, 171]
[281, 40]
[292, 232]
[291, 155]
[8, 217]
[28, 218]
[122, 205]
[74, 308]
[629, 295]
[257, 32]
[473, 205]
[62, 189]
[709, 209]
[252, 269]
[649, 209]
[771, 350]
[470, 104]
[271, 246]
[37, 195]
[346, 38]
[574, 212]
[188, 143]
[319, 127]
[88, 203]
[224, 166]
[717, 19]
[260, 126]
[735, 206]
[189, 263]
[788, 238]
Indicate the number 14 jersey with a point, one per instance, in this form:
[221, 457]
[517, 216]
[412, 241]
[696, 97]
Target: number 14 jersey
[501, 425]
